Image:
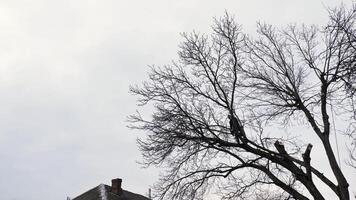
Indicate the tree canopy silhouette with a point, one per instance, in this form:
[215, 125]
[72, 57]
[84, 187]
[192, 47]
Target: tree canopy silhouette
[213, 105]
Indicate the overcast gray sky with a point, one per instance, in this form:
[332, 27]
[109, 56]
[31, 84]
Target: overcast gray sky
[65, 71]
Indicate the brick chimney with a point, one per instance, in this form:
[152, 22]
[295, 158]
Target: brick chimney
[116, 186]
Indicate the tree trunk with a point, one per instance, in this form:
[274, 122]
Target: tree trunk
[342, 182]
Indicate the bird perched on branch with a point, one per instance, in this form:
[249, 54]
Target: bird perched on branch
[237, 129]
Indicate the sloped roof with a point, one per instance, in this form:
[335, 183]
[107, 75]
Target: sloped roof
[103, 192]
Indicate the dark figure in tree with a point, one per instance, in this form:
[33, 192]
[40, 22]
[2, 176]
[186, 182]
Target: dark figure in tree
[237, 129]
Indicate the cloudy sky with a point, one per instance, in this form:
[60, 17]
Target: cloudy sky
[65, 70]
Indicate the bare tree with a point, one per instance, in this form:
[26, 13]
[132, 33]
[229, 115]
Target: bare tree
[212, 106]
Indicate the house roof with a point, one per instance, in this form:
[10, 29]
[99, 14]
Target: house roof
[103, 192]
